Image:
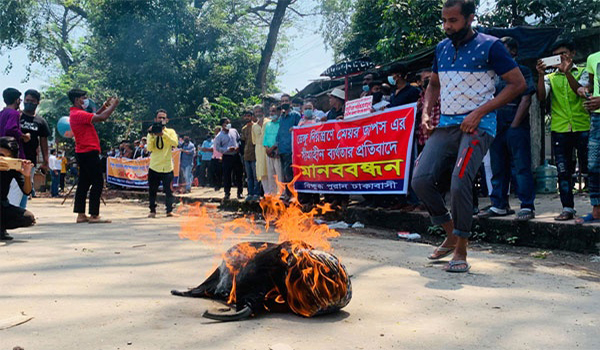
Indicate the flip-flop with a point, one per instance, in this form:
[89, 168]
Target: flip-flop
[587, 219]
[452, 266]
[440, 253]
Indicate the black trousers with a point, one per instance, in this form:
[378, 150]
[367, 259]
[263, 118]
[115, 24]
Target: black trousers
[62, 181]
[154, 180]
[233, 169]
[90, 179]
[215, 173]
[12, 217]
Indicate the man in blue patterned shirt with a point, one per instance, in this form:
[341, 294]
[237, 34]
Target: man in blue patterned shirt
[464, 71]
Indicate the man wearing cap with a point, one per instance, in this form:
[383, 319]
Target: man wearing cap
[289, 118]
[337, 99]
[464, 71]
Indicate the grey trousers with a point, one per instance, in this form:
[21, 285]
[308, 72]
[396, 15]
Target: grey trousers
[450, 154]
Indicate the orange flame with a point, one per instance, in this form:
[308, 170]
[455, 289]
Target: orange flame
[309, 281]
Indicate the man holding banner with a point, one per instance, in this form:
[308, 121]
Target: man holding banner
[464, 71]
[160, 142]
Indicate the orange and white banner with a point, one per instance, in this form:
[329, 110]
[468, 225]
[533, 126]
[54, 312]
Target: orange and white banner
[134, 172]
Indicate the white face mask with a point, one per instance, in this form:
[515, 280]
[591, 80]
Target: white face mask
[228, 126]
[86, 103]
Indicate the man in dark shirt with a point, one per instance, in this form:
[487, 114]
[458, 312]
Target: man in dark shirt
[38, 128]
[510, 152]
[403, 93]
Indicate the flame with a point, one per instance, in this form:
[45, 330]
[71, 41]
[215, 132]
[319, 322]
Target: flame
[314, 282]
[311, 285]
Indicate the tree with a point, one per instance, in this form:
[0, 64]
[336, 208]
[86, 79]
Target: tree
[271, 15]
[569, 14]
[383, 30]
[45, 28]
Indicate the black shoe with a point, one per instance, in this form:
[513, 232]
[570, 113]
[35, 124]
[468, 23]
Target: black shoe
[5, 237]
[226, 196]
[240, 196]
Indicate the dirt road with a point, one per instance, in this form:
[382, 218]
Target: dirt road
[107, 287]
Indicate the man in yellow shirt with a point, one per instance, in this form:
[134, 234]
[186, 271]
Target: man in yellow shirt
[161, 140]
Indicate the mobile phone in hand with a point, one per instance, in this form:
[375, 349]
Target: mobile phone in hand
[13, 163]
[551, 61]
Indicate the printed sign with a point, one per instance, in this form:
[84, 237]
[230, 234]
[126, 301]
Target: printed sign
[358, 107]
[365, 155]
[134, 172]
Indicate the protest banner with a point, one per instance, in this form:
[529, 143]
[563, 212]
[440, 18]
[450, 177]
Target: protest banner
[365, 155]
[134, 172]
[358, 107]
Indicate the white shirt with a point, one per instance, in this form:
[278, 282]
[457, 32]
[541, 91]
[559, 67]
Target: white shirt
[54, 162]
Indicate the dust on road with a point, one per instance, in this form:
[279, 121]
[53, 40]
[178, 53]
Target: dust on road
[107, 287]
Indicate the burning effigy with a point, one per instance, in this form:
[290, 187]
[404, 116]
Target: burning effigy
[298, 274]
[289, 276]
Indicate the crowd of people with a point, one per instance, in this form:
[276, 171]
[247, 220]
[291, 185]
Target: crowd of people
[473, 108]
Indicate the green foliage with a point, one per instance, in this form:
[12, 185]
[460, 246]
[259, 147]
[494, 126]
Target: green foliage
[388, 29]
[382, 29]
[569, 14]
[14, 14]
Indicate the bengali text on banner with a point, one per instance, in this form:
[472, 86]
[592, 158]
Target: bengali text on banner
[134, 172]
[365, 155]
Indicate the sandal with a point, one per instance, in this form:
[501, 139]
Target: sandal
[587, 219]
[455, 266]
[565, 215]
[440, 253]
[525, 215]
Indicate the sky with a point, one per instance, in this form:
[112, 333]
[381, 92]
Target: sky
[304, 61]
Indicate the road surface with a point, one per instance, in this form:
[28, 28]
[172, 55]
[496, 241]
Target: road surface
[107, 287]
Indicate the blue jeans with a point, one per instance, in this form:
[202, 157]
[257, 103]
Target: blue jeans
[55, 182]
[510, 155]
[187, 177]
[253, 184]
[563, 145]
[594, 160]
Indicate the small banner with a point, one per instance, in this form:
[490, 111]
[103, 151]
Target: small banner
[134, 172]
[360, 106]
[365, 155]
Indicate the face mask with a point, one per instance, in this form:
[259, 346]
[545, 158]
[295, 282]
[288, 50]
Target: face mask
[86, 103]
[228, 126]
[308, 113]
[458, 36]
[425, 84]
[377, 96]
[30, 106]
[365, 88]
[297, 109]
[391, 80]
[285, 106]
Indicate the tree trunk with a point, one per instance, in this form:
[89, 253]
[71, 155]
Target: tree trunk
[267, 51]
